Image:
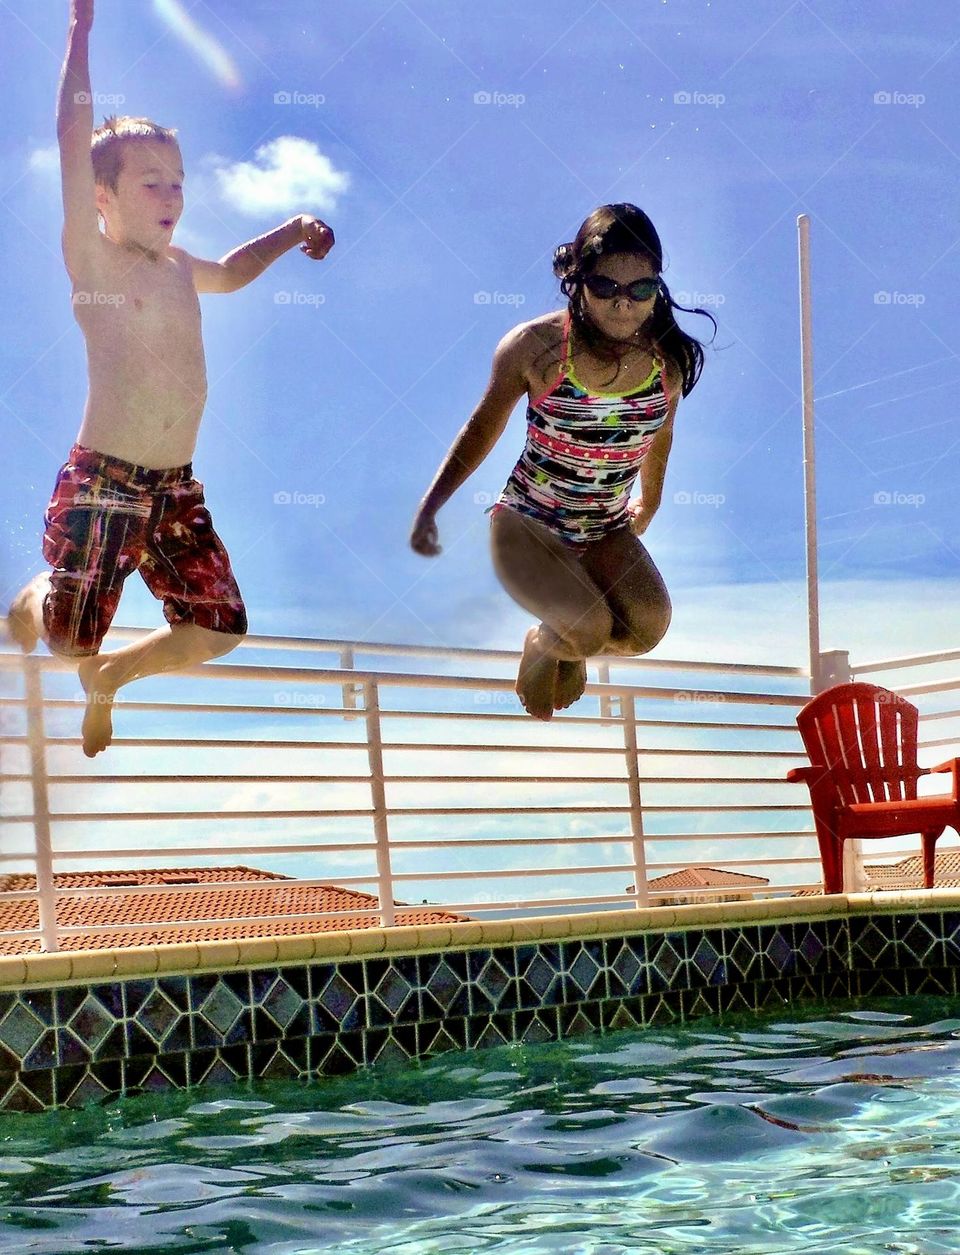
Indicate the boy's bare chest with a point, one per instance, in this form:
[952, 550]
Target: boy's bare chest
[151, 300]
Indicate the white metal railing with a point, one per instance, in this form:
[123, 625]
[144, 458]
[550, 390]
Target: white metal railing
[656, 807]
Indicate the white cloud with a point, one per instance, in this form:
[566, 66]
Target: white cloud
[45, 160]
[287, 175]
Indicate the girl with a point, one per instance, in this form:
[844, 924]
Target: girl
[603, 379]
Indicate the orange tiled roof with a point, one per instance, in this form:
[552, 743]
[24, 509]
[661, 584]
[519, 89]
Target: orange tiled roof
[280, 896]
[705, 878]
[908, 873]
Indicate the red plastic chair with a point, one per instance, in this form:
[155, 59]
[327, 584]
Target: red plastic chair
[862, 743]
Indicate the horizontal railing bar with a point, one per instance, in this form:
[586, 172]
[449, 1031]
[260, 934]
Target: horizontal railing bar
[398, 812]
[238, 743]
[912, 660]
[434, 844]
[387, 649]
[53, 778]
[390, 679]
[927, 715]
[931, 686]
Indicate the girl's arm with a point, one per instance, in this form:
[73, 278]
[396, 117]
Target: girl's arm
[653, 468]
[476, 438]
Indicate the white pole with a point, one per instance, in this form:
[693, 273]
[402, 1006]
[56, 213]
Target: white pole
[809, 458]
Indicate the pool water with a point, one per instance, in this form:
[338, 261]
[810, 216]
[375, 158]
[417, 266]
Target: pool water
[833, 1128]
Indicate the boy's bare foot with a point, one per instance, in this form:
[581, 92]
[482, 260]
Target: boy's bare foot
[571, 681]
[25, 616]
[97, 721]
[536, 678]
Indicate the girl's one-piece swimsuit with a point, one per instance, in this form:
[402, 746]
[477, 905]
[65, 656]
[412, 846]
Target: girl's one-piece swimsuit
[582, 454]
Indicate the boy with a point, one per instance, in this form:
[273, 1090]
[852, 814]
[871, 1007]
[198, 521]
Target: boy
[126, 499]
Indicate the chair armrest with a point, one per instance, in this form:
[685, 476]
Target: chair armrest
[950, 765]
[953, 766]
[802, 775]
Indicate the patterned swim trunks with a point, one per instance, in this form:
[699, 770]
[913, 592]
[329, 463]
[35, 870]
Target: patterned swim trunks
[108, 518]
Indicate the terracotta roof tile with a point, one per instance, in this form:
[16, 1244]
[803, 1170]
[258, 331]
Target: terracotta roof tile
[230, 905]
[705, 878]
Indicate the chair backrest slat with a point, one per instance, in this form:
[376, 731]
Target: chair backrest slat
[865, 738]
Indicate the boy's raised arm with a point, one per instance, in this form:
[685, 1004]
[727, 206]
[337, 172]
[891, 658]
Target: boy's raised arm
[81, 232]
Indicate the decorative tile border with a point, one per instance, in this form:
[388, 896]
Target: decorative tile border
[86, 1026]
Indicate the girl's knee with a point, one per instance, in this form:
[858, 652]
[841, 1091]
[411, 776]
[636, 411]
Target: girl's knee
[590, 634]
[644, 635]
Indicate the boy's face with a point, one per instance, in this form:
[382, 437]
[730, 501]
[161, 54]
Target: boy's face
[148, 202]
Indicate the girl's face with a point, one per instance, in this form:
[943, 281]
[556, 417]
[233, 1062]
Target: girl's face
[619, 317]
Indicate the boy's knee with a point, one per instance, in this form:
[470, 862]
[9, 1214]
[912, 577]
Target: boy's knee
[220, 643]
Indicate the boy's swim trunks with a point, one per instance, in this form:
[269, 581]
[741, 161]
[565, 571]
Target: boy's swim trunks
[108, 518]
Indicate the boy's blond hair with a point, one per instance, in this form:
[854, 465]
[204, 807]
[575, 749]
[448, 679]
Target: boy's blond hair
[109, 140]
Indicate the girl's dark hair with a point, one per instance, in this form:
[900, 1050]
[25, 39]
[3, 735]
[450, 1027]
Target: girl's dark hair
[618, 229]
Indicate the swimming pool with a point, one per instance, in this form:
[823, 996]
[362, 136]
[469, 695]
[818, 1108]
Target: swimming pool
[827, 1128]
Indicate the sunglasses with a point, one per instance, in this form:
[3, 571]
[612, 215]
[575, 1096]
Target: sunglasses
[605, 288]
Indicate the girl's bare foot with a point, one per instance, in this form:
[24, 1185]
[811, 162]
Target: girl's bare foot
[97, 721]
[25, 616]
[537, 677]
[571, 681]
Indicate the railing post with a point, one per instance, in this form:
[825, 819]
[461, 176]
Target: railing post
[833, 668]
[381, 832]
[350, 690]
[606, 703]
[628, 713]
[43, 855]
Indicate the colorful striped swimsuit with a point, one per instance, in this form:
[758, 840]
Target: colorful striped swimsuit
[583, 452]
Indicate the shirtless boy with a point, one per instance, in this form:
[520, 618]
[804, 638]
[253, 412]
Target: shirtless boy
[126, 500]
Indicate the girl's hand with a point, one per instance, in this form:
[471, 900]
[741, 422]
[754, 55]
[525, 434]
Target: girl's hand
[317, 237]
[424, 537]
[640, 517]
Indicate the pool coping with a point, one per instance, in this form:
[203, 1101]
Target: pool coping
[68, 967]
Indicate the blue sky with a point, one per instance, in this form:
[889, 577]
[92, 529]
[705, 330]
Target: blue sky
[352, 390]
